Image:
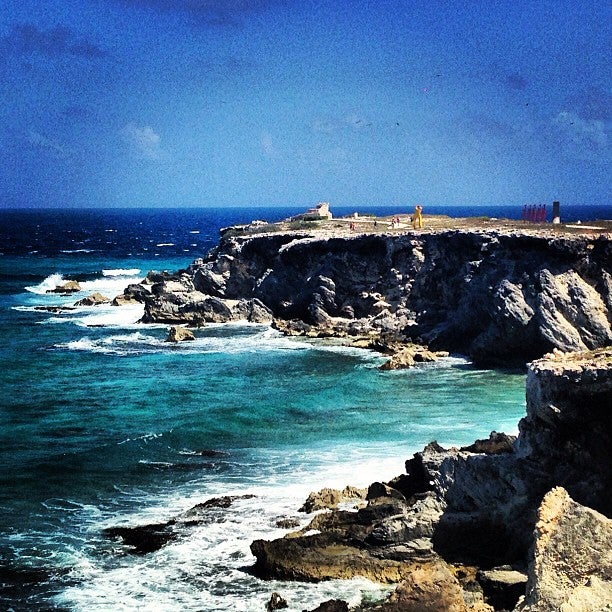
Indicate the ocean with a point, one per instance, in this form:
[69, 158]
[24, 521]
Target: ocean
[103, 424]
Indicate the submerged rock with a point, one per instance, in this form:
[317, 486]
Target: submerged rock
[143, 539]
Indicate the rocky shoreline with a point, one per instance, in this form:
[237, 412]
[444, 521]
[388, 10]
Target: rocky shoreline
[503, 524]
[500, 296]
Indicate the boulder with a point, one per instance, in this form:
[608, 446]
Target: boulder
[571, 564]
[70, 286]
[92, 300]
[407, 356]
[179, 334]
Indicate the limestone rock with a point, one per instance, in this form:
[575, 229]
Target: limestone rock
[92, 300]
[179, 334]
[70, 286]
[326, 498]
[571, 567]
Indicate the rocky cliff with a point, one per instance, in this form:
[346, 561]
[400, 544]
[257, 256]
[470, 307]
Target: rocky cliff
[495, 295]
[472, 522]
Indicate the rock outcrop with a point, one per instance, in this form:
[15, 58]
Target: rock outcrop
[495, 295]
[461, 509]
[92, 300]
[571, 565]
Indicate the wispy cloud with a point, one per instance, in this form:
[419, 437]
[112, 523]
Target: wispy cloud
[223, 13]
[26, 39]
[144, 141]
[332, 125]
[47, 145]
[586, 134]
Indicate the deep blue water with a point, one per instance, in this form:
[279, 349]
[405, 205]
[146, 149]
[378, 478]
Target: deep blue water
[102, 423]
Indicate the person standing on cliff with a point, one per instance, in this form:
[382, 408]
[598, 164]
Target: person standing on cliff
[417, 218]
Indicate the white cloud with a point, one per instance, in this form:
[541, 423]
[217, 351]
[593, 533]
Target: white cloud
[144, 141]
[590, 134]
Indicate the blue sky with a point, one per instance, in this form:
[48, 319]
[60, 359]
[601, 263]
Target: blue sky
[112, 103]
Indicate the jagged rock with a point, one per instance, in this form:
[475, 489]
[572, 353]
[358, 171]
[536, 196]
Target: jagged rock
[70, 286]
[326, 498]
[568, 427]
[179, 334]
[495, 444]
[496, 295]
[92, 300]
[571, 566]
[277, 602]
[331, 605]
[472, 509]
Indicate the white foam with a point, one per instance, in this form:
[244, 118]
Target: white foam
[50, 283]
[203, 569]
[121, 272]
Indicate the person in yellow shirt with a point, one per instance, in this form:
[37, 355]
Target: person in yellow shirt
[417, 218]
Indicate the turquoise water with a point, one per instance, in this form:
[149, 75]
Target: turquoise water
[102, 423]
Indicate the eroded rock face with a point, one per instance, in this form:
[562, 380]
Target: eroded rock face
[497, 296]
[571, 564]
[567, 432]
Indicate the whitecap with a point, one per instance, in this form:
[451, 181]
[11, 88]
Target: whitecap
[121, 272]
[49, 284]
[165, 244]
